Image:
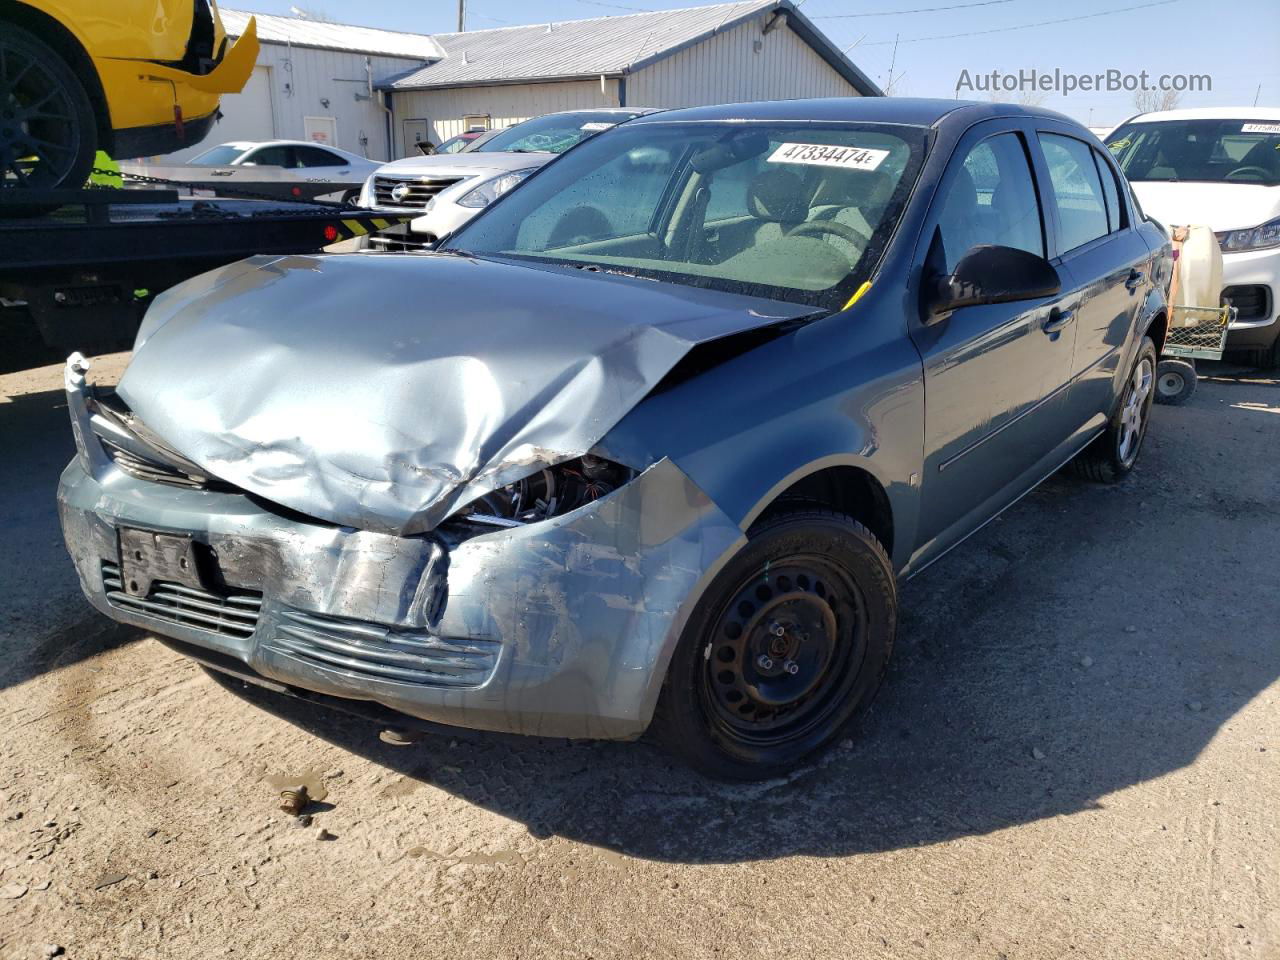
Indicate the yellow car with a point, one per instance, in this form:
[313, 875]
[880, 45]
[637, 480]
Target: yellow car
[130, 77]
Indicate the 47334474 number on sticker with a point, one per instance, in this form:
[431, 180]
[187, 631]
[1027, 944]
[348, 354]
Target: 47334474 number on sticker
[826, 155]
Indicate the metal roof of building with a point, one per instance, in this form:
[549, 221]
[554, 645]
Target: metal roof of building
[609, 46]
[333, 36]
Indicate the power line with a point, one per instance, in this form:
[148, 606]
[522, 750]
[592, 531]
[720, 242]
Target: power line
[616, 6]
[1023, 26]
[894, 13]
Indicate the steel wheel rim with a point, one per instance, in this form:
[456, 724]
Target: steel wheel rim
[1171, 383]
[809, 666]
[38, 135]
[1133, 411]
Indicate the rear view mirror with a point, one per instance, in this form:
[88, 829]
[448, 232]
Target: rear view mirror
[992, 274]
[425, 147]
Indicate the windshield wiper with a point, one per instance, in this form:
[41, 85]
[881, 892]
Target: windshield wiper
[615, 271]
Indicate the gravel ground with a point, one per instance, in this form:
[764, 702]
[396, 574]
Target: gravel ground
[1076, 754]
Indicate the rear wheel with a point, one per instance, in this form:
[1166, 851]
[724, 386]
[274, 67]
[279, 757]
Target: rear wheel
[48, 137]
[1175, 381]
[1111, 457]
[790, 641]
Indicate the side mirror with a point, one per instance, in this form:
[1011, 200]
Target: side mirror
[991, 274]
[425, 147]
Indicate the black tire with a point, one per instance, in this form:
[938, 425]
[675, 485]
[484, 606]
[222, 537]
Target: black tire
[1270, 359]
[1175, 381]
[1111, 457]
[48, 135]
[826, 583]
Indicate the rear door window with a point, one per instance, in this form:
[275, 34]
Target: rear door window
[1077, 191]
[1115, 215]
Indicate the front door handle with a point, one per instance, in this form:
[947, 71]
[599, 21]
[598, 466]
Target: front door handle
[1058, 319]
[1135, 280]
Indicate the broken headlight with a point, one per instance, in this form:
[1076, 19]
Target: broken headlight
[549, 492]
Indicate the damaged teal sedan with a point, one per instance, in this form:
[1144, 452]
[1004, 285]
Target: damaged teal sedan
[649, 444]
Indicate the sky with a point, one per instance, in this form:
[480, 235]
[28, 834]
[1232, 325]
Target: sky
[1234, 43]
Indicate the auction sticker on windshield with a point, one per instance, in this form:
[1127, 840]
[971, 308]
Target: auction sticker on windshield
[826, 155]
[1261, 128]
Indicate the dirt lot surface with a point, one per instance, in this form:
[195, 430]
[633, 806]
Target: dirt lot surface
[1076, 754]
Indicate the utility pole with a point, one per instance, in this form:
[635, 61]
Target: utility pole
[462, 16]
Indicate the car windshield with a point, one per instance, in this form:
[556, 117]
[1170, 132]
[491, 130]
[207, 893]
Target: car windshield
[795, 211]
[455, 144]
[219, 156]
[553, 134]
[1214, 151]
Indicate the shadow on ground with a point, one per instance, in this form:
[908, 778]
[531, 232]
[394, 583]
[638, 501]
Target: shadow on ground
[1093, 638]
[45, 623]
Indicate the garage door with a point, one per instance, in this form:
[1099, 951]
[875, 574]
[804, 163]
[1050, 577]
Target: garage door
[245, 116]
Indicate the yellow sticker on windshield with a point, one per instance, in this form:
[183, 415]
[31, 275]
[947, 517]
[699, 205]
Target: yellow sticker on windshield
[826, 155]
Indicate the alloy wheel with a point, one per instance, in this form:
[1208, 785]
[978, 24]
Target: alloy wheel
[1133, 413]
[39, 135]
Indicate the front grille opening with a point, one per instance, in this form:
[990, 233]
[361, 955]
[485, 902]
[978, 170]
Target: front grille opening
[404, 242]
[233, 615]
[416, 192]
[1252, 300]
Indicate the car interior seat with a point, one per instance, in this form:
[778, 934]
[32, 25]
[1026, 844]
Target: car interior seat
[777, 199]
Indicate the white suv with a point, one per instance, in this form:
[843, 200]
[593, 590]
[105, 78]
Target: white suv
[450, 189]
[1219, 167]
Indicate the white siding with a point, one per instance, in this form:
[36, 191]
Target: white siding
[300, 78]
[726, 68]
[445, 110]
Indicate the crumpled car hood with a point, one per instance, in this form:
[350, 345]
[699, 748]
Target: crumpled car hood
[384, 392]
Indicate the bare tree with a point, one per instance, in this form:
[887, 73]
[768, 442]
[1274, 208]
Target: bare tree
[310, 13]
[1152, 101]
[1024, 98]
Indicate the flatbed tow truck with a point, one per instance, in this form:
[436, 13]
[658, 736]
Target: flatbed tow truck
[83, 274]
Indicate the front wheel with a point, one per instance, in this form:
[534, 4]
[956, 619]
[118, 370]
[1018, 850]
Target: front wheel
[789, 643]
[1112, 456]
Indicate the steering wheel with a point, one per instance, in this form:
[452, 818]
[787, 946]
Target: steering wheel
[833, 228]
[1263, 173]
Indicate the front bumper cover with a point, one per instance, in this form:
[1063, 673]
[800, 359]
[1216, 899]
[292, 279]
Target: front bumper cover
[562, 628]
[1254, 267]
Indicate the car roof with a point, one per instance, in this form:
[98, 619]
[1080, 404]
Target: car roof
[915, 111]
[1209, 113]
[250, 144]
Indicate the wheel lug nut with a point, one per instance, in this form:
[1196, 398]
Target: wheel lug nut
[764, 662]
[777, 629]
[791, 667]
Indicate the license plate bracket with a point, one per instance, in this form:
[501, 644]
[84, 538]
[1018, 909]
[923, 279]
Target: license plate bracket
[148, 555]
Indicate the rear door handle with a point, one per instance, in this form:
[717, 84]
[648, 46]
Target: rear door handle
[1058, 319]
[1135, 280]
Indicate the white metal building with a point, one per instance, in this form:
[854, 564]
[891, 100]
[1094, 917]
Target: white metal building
[377, 92]
[723, 53]
[316, 81]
